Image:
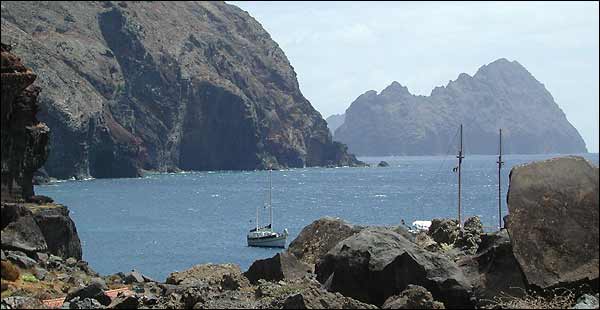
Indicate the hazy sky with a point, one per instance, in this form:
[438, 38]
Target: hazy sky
[342, 49]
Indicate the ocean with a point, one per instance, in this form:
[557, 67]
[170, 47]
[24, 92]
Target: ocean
[163, 223]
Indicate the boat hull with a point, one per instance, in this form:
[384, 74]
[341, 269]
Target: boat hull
[269, 242]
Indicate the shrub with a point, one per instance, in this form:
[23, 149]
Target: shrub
[10, 272]
[29, 278]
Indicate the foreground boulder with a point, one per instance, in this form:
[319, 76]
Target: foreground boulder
[316, 239]
[40, 228]
[553, 221]
[282, 266]
[378, 263]
[493, 270]
[95, 290]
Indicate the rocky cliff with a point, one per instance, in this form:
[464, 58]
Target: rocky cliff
[164, 86]
[502, 94]
[24, 138]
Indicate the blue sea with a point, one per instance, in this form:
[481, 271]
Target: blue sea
[163, 223]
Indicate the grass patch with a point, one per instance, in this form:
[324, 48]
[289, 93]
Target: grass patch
[29, 278]
[555, 299]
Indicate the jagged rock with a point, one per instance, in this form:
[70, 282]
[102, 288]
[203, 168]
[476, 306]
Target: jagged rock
[493, 269]
[3, 256]
[587, 301]
[133, 277]
[282, 266]
[413, 297]
[210, 274]
[444, 231]
[39, 199]
[553, 220]
[21, 259]
[396, 122]
[377, 263]
[85, 303]
[304, 294]
[94, 290]
[319, 237]
[221, 95]
[21, 302]
[383, 164]
[124, 302]
[470, 235]
[24, 138]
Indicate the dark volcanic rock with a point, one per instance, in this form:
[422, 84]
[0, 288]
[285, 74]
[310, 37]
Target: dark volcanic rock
[553, 220]
[383, 164]
[94, 291]
[282, 266]
[165, 85]
[493, 269]
[316, 239]
[20, 230]
[502, 94]
[59, 231]
[24, 138]
[378, 263]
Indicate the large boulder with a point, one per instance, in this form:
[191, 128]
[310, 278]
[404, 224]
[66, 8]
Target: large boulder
[553, 221]
[282, 266]
[95, 290]
[316, 239]
[20, 231]
[378, 263]
[228, 276]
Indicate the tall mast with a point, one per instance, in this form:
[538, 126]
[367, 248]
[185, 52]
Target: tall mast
[500, 162]
[460, 158]
[270, 199]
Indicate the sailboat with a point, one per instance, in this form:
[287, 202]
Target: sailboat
[424, 225]
[500, 164]
[265, 236]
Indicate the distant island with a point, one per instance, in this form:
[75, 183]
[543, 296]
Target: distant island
[502, 94]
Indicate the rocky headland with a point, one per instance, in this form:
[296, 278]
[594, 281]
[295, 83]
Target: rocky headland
[502, 94]
[151, 85]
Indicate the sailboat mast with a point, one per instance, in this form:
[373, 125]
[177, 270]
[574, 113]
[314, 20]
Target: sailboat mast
[270, 199]
[460, 158]
[500, 162]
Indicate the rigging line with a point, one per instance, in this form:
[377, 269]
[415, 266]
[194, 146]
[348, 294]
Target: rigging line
[436, 173]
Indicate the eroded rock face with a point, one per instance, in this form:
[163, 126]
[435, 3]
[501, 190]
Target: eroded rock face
[502, 94]
[378, 263]
[24, 138]
[163, 86]
[553, 220]
[316, 239]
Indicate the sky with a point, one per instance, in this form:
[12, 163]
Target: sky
[340, 50]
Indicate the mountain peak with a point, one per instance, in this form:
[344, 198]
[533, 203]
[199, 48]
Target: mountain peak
[395, 89]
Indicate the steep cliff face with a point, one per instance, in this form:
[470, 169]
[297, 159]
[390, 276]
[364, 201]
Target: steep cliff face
[502, 94]
[165, 85]
[24, 138]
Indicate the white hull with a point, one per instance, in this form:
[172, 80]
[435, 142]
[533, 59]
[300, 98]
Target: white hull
[269, 242]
